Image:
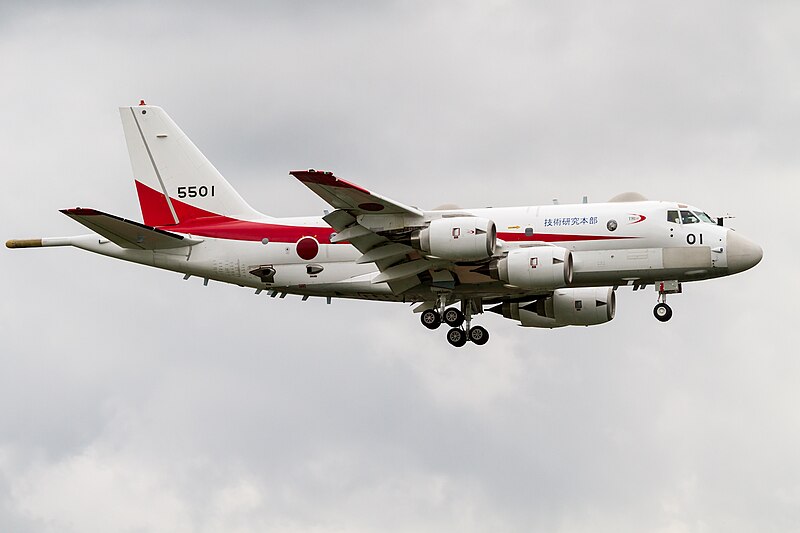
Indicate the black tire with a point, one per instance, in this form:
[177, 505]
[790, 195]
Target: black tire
[453, 317]
[430, 319]
[662, 312]
[478, 335]
[457, 337]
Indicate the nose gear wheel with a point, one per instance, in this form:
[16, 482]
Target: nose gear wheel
[662, 312]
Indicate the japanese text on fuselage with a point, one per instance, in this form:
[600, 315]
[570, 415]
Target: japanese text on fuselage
[569, 221]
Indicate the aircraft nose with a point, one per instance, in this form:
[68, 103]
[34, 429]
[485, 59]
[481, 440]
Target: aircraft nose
[742, 253]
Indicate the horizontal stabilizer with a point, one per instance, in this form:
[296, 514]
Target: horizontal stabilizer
[127, 233]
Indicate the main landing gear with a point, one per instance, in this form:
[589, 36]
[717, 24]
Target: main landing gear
[459, 321]
[662, 311]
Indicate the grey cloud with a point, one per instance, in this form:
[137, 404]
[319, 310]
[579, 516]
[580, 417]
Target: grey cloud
[132, 399]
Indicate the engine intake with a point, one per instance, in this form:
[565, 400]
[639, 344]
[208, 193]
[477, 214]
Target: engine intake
[565, 307]
[458, 238]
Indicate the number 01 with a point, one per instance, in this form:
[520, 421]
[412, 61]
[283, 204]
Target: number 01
[691, 239]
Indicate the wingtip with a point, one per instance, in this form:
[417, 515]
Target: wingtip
[312, 174]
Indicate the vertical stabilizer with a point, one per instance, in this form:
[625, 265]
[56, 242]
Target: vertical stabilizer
[174, 180]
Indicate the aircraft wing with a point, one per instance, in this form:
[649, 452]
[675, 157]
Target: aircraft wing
[127, 233]
[378, 228]
[399, 264]
[356, 200]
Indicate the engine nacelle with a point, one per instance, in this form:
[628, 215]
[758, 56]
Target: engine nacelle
[458, 238]
[566, 307]
[536, 268]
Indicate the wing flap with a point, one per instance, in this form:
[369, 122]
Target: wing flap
[350, 233]
[404, 270]
[377, 249]
[128, 233]
[388, 251]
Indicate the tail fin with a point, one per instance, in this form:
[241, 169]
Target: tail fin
[174, 180]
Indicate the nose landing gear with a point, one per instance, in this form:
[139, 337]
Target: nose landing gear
[662, 311]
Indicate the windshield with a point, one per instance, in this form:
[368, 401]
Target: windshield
[685, 216]
[704, 217]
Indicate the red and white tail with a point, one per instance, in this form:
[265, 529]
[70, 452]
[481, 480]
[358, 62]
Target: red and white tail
[174, 180]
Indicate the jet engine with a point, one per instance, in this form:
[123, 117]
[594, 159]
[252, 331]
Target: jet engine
[536, 268]
[458, 238]
[565, 307]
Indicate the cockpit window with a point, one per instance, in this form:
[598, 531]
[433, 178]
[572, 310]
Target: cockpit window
[687, 217]
[672, 216]
[704, 217]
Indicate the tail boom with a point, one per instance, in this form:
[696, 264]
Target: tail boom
[39, 243]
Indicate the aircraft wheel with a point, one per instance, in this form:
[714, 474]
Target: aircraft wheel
[457, 337]
[453, 317]
[478, 335]
[430, 319]
[662, 312]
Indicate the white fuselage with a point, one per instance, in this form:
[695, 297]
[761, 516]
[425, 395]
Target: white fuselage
[612, 244]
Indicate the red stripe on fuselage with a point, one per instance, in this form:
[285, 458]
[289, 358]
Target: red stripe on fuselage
[202, 223]
[243, 230]
[558, 237]
[220, 227]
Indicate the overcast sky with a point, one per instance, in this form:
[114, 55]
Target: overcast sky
[131, 400]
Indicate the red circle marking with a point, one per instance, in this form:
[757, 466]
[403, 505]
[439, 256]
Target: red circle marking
[307, 248]
[370, 206]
